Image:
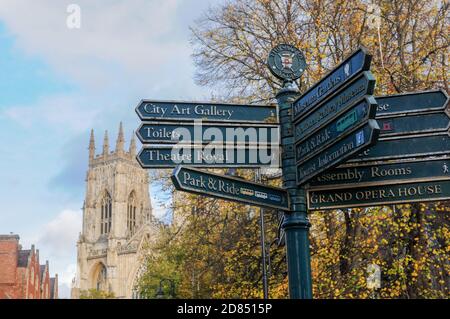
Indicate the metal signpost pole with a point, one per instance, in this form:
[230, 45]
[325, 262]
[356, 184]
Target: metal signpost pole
[287, 63]
[296, 224]
[258, 179]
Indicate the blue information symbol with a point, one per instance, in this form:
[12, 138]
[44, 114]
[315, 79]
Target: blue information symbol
[359, 138]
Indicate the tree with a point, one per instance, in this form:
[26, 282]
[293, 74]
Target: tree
[96, 294]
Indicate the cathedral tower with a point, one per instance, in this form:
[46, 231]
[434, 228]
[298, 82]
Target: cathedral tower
[117, 220]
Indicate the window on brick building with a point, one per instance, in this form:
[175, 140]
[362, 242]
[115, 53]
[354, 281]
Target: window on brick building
[106, 214]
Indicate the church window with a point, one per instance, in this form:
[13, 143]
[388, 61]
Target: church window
[131, 214]
[106, 214]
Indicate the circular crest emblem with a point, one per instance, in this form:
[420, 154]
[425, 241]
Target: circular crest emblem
[286, 62]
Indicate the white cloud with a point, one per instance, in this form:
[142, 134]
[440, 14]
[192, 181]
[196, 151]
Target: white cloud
[59, 111]
[60, 235]
[119, 42]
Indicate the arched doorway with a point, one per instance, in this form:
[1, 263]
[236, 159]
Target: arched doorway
[99, 278]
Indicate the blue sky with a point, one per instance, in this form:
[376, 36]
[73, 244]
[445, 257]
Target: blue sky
[57, 83]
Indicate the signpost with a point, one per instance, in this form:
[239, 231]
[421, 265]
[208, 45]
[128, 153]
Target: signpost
[414, 124]
[356, 63]
[334, 107]
[338, 152]
[231, 188]
[149, 110]
[410, 103]
[333, 123]
[357, 116]
[199, 133]
[368, 174]
[334, 120]
[169, 156]
[379, 195]
[420, 145]
[398, 169]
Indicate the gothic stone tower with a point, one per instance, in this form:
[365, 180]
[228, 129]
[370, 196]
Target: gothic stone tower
[117, 220]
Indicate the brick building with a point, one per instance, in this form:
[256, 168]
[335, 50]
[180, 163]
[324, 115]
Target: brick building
[21, 274]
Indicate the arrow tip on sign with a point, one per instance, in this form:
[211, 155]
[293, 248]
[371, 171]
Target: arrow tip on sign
[174, 177]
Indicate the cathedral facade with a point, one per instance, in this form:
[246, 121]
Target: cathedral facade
[117, 221]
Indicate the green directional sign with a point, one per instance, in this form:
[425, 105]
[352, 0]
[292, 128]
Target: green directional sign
[414, 124]
[381, 173]
[357, 116]
[357, 62]
[332, 108]
[164, 156]
[230, 188]
[352, 144]
[149, 110]
[379, 195]
[203, 133]
[415, 102]
[432, 144]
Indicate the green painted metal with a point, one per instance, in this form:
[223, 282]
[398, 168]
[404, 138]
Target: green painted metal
[357, 62]
[379, 195]
[410, 170]
[286, 62]
[195, 133]
[414, 102]
[230, 188]
[414, 124]
[347, 123]
[332, 156]
[164, 156]
[295, 224]
[421, 145]
[334, 107]
[151, 110]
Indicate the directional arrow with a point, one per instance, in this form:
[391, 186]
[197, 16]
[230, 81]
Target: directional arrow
[150, 110]
[432, 144]
[357, 116]
[204, 133]
[416, 102]
[163, 156]
[357, 62]
[230, 188]
[414, 124]
[379, 195]
[334, 107]
[410, 170]
[338, 152]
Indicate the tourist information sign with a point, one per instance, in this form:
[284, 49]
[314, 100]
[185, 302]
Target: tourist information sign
[415, 102]
[149, 110]
[230, 188]
[357, 62]
[383, 173]
[204, 133]
[349, 146]
[379, 195]
[169, 156]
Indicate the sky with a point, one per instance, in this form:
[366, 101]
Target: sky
[57, 82]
